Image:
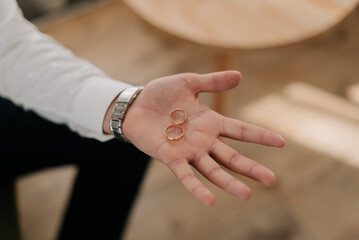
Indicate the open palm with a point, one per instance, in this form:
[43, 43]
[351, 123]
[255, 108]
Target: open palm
[200, 147]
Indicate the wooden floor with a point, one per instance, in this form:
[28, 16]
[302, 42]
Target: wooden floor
[308, 92]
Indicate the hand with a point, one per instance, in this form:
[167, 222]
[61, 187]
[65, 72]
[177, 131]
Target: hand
[200, 148]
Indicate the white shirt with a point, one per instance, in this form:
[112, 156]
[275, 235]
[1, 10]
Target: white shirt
[39, 74]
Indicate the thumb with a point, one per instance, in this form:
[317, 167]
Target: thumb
[215, 82]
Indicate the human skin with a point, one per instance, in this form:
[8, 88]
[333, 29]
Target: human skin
[201, 147]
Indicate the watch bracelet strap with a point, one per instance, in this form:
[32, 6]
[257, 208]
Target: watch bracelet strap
[123, 102]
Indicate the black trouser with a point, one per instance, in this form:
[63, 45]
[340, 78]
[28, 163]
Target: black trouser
[109, 173]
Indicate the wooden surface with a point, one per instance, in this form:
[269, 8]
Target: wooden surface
[243, 24]
[299, 90]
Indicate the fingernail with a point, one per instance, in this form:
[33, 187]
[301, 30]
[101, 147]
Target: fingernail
[271, 180]
[283, 140]
[245, 195]
[281, 137]
[205, 196]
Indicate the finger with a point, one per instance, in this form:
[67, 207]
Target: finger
[243, 131]
[184, 173]
[213, 172]
[215, 82]
[242, 165]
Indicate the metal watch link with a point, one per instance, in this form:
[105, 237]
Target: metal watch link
[123, 102]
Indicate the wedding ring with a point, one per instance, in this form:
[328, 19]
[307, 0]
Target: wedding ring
[178, 116]
[174, 132]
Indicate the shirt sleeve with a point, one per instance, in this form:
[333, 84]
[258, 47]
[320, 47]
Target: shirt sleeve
[39, 74]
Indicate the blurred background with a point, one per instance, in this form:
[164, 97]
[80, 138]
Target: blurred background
[307, 90]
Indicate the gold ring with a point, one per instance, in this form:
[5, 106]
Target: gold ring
[178, 116]
[174, 132]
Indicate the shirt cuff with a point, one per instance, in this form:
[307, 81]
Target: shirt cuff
[91, 104]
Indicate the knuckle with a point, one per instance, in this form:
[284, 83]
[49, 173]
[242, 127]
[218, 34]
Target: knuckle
[244, 130]
[172, 164]
[186, 177]
[228, 186]
[195, 188]
[214, 146]
[214, 171]
[233, 159]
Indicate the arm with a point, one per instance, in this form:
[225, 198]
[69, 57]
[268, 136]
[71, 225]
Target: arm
[39, 74]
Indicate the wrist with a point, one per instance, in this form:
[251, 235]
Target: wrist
[118, 109]
[106, 121]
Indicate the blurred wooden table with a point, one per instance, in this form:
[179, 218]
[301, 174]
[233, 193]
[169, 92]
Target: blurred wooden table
[240, 24]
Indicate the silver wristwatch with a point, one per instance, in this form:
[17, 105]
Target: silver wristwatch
[124, 100]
